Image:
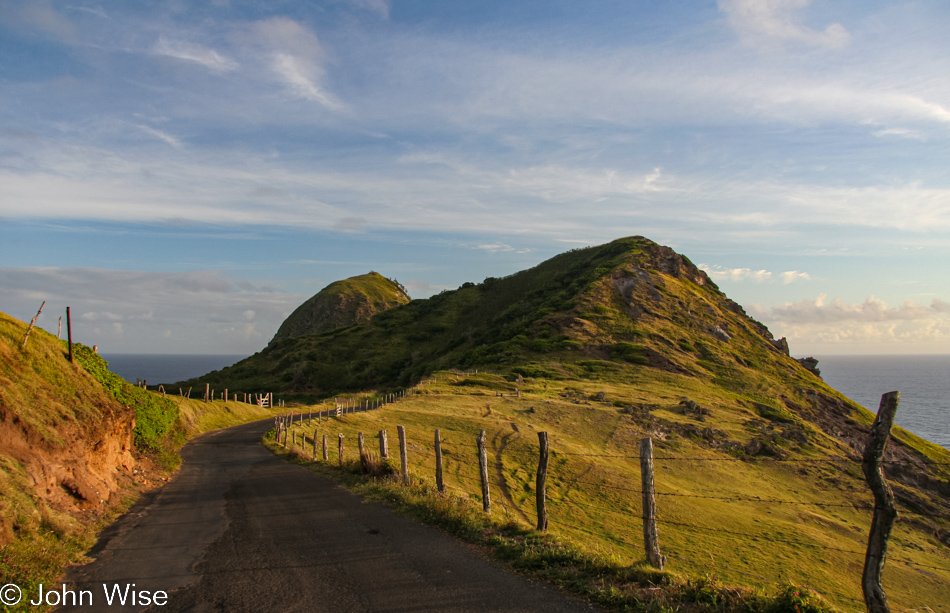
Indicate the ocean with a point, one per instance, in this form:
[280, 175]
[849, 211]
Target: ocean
[155, 369]
[922, 380]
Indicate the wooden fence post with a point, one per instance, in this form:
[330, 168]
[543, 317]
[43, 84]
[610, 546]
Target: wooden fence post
[541, 483]
[33, 321]
[438, 462]
[403, 454]
[314, 444]
[326, 452]
[340, 448]
[359, 440]
[885, 513]
[69, 334]
[483, 470]
[383, 445]
[651, 539]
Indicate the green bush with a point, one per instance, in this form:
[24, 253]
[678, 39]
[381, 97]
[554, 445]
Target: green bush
[155, 417]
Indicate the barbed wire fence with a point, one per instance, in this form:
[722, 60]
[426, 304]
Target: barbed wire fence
[650, 515]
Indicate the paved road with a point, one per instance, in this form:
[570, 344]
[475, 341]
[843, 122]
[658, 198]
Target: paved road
[238, 529]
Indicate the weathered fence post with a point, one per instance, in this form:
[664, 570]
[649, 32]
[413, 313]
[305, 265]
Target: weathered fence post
[483, 470]
[314, 444]
[403, 454]
[885, 513]
[33, 321]
[359, 440]
[651, 539]
[541, 483]
[340, 448]
[383, 445]
[438, 462]
[69, 334]
[207, 391]
[326, 452]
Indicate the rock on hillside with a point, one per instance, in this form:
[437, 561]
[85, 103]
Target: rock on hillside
[343, 303]
[64, 441]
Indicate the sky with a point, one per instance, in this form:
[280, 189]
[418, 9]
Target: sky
[184, 174]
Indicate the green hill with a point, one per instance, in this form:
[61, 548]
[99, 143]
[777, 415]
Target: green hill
[343, 303]
[627, 304]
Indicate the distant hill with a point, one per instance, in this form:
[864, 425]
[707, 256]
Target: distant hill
[628, 304]
[343, 303]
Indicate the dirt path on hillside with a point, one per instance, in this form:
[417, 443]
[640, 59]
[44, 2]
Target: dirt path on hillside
[238, 529]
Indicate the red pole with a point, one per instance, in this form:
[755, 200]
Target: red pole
[69, 335]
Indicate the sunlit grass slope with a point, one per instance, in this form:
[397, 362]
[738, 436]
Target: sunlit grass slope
[718, 508]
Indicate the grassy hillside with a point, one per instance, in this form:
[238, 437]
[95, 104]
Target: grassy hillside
[630, 302]
[343, 303]
[65, 455]
[727, 518]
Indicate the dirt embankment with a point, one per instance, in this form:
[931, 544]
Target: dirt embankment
[64, 442]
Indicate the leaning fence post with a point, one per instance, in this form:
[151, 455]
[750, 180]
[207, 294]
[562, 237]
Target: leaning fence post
[403, 454]
[651, 539]
[483, 470]
[541, 484]
[383, 445]
[340, 448]
[885, 513]
[315, 444]
[438, 462]
[326, 451]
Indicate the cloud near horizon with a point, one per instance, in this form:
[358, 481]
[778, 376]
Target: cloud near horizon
[166, 312]
[872, 323]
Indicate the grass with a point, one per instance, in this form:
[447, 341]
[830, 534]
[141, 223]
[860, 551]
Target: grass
[816, 540]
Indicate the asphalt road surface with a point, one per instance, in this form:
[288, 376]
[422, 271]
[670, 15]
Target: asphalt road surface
[239, 529]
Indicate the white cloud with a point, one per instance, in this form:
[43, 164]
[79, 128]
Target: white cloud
[838, 326]
[495, 247]
[767, 20]
[790, 276]
[737, 275]
[163, 136]
[296, 59]
[871, 310]
[124, 311]
[193, 52]
[421, 289]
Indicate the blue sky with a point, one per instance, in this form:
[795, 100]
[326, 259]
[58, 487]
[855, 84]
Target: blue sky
[184, 174]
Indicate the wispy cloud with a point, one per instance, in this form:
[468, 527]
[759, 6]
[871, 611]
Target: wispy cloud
[770, 20]
[296, 59]
[121, 310]
[193, 52]
[168, 138]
